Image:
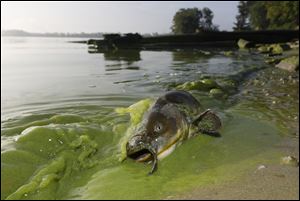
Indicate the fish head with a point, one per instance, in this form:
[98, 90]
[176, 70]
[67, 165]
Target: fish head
[160, 130]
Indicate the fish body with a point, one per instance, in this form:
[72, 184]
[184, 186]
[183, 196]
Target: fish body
[166, 125]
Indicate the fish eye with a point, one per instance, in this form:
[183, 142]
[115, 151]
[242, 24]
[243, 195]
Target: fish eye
[158, 127]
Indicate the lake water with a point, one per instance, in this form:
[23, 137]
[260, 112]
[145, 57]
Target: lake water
[60, 134]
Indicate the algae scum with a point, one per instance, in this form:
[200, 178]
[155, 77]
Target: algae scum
[65, 140]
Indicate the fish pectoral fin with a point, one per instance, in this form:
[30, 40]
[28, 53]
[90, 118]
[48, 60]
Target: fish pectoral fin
[208, 123]
[210, 133]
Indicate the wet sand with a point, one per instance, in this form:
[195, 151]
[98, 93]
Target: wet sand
[270, 182]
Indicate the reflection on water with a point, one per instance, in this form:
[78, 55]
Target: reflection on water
[128, 56]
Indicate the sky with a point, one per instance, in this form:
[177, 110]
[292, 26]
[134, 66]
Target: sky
[114, 16]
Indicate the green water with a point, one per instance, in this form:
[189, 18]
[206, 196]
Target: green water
[61, 135]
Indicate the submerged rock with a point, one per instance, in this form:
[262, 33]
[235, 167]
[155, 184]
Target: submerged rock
[261, 167]
[228, 53]
[245, 44]
[229, 85]
[272, 60]
[290, 160]
[205, 52]
[217, 93]
[202, 85]
[290, 63]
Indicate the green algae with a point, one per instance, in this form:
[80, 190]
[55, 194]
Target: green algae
[200, 161]
[136, 112]
[42, 179]
[274, 49]
[55, 119]
[201, 85]
[71, 148]
[81, 161]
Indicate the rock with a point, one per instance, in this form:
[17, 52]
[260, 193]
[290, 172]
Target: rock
[217, 93]
[202, 85]
[229, 85]
[209, 83]
[290, 160]
[205, 52]
[277, 49]
[244, 44]
[190, 85]
[294, 45]
[228, 53]
[290, 63]
[261, 167]
[273, 49]
[263, 49]
[273, 60]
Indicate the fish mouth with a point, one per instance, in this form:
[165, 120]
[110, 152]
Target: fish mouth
[141, 155]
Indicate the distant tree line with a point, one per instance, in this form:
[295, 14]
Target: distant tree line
[16, 32]
[193, 20]
[264, 15]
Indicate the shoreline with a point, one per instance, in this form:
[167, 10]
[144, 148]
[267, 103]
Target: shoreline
[272, 182]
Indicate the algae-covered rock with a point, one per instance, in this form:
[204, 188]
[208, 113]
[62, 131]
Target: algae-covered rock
[202, 85]
[195, 85]
[244, 44]
[273, 60]
[229, 85]
[217, 93]
[228, 53]
[276, 49]
[264, 49]
[209, 83]
[290, 63]
[273, 49]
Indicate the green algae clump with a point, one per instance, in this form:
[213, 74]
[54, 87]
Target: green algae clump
[201, 85]
[87, 148]
[136, 112]
[42, 179]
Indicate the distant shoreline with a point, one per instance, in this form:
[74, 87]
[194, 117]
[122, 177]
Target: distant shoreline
[21, 33]
[82, 37]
